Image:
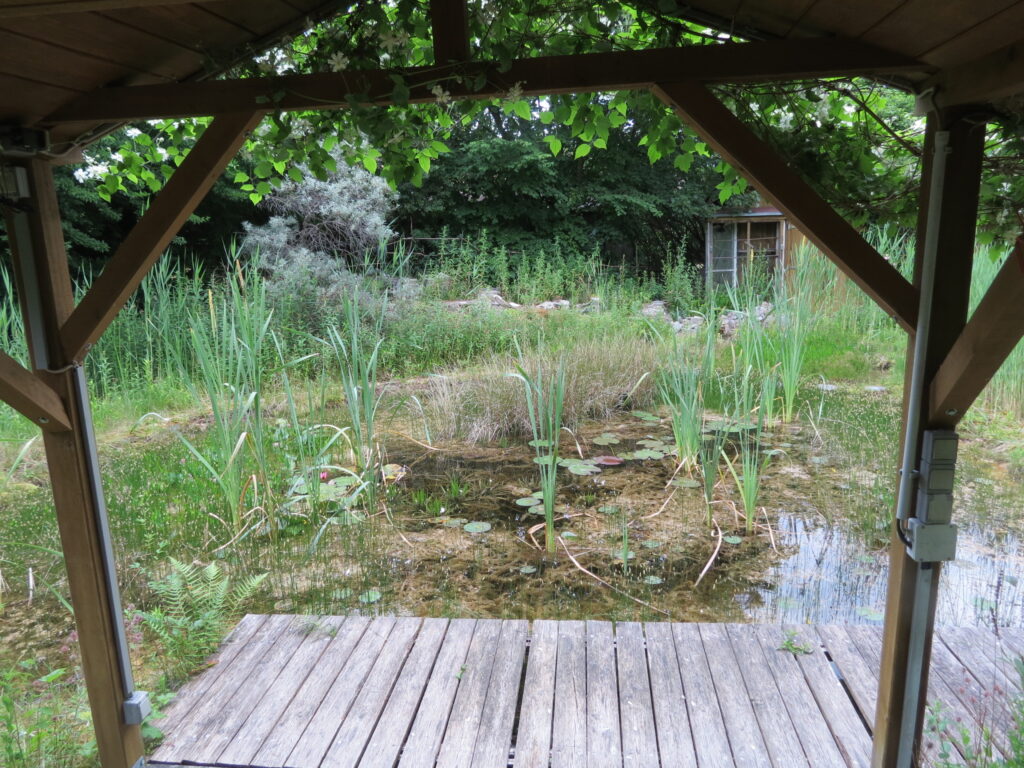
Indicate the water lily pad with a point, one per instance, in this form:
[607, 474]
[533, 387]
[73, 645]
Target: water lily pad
[455, 522]
[607, 461]
[370, 596]
[685, 482]
[528, 501]
[605, 439]
[652, 544]
[628, 456]
[609, 509]
[650, 442]
[569, 535]
[550, 459]
[540, 443]
[538, 494]
[477, 526]
[649, 453]
[617, 554]
[584, 469]
[653, 580]
[731, 539]
[645, 416]
[526, 570]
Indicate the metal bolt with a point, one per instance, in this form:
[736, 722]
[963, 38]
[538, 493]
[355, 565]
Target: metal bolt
[43, 420]
[952, 412]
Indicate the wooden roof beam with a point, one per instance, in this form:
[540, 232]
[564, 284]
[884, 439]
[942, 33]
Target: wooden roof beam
[450, 22]
[28, 395]
[992, 333]
[618, 70]
[154, 231]
[991, 78]
[22, 10]
[815, 217]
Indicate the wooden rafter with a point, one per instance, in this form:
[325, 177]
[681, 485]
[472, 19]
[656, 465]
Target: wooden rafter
[155, 230]
[619, 70]
[28, 395]
[20, 10]
[993, 77]
[450, 25]
[992, 333]
[759, 163]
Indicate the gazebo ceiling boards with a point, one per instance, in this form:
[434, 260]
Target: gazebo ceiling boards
[78, 68]
[52, 52]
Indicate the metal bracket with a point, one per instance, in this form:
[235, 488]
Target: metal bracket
[137, 708]
[140, 763]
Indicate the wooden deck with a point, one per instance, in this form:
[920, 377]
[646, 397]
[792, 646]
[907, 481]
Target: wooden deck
[300, 691]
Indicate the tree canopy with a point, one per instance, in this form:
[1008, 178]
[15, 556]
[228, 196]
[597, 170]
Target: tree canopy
[858, 141]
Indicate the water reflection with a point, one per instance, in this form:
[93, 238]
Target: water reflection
[830, 579]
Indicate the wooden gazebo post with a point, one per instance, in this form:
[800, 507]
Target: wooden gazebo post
[54, 395]
[952, 198]
[47, 300]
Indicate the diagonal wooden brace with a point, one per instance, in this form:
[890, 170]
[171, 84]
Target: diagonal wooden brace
[759, 163]
[169, 210]
[992, 333]
[26, 393]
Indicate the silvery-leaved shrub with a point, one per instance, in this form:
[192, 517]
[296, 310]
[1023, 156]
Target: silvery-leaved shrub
[318, 234]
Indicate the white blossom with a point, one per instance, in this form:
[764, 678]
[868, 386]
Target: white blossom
[442, 96]
[338, 62]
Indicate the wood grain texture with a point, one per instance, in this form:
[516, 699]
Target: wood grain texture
[636, 708]
[819, 746]
[467, 709]
[710, 740]
[604, 737]
[385, 746]
[569, 726]
[428, 729]
[672, 721]
[494, 738]
[533, 743]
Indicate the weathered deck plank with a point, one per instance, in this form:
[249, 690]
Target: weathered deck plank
[533, 745]
[675, 740]
[604, 737]
[778, 728]
[707, 724]
[281, 738]
[428, 729]
[298, 692]
[494, 738]
[385, 746]
[819, 745]
[639, 730]
[467, 711]
[569, 721]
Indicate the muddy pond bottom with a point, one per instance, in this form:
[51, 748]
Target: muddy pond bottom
[331, 691]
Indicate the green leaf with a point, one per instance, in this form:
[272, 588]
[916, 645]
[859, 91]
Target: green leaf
[370, 163]
[522, 109]
[295, 174]
[477, 527]
[554, 144]
[241, 177]
[582, 151]
[370, 596]
[547, 116]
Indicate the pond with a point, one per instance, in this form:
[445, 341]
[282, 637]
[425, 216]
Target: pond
[459, 537]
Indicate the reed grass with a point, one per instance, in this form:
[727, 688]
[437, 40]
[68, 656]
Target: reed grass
[544, 392]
